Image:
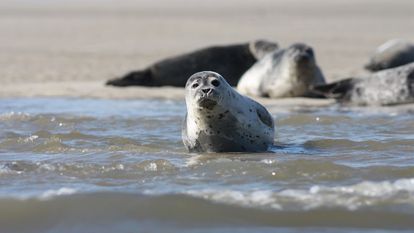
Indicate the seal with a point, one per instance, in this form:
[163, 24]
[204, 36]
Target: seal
[219, 119]
[391, 54]
[387, 87]
[231, 61]
[284, 73]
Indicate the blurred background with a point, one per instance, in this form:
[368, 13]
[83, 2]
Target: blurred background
[94, 40]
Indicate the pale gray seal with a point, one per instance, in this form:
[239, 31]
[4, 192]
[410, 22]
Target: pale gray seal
[387, 87]
[231, 61]
[393, 53]
[284, 73]
[219, 119]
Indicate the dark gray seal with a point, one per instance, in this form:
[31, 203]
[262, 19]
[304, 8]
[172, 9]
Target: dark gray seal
[219, 119]
[284, 73]
[391, 54]
[387, 87]
[231, 61]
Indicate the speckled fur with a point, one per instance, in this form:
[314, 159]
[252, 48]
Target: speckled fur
[234, 124]
[387, 87]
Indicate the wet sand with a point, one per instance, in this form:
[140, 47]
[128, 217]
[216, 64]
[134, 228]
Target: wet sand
[70, 48]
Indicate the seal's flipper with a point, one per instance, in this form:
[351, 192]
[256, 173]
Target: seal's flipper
[135, 78]
[337, 90]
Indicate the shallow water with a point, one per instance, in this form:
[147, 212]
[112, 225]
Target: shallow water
[83, 165]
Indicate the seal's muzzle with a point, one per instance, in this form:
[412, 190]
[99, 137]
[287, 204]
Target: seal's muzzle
[207, 103]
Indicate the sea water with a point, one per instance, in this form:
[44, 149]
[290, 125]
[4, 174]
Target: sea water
[85, 165]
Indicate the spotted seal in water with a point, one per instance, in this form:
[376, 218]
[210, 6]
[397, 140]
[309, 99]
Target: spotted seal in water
[387, 87]
[219, 119]
[393, 53]
[231, 61]
[284, 73]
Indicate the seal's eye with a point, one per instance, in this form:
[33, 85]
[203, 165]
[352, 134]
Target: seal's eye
[215, 83]
[195, 85]
[309, 51]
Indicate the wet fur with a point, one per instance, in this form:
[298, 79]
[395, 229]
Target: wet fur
[235, 124]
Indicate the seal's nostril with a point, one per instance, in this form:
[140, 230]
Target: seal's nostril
[206, 91]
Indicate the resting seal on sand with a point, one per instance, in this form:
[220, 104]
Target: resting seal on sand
[231, 61]
[219, 119]
[284, 73]
[391, 54]
[387, 87]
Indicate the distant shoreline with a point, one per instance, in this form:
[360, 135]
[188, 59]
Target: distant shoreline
[72, 49]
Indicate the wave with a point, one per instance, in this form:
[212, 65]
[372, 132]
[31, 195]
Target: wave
[88, 171]
[233, 170]
[73, 141]
[360, 196]
[67, 209]
[43, 119]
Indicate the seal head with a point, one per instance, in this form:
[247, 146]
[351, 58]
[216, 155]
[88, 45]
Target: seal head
[204, 90]
[391, 54]
[301, 54]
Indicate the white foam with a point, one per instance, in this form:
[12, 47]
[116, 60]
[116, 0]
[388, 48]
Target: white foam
[151, 167]
[5, 169]
[193, 160]
[46, 166]
[31, 138]
[259, 198]
[56, 192]
[43, 196]
[13, 115]
[352, 197]
[268, 161]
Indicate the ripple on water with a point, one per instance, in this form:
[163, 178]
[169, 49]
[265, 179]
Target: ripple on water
[341, 144]
[328, 167]
[87, 169]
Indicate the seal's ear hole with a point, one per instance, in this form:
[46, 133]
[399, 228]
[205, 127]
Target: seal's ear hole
[195, 85]
[215, 83]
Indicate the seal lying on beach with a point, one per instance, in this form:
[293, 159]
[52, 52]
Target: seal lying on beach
[231, 61]
[284, 73]
[391, 54]
[219, 119]
[387, 87]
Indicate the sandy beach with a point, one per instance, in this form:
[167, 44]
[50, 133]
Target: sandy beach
[70, 48]
[85, 157]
